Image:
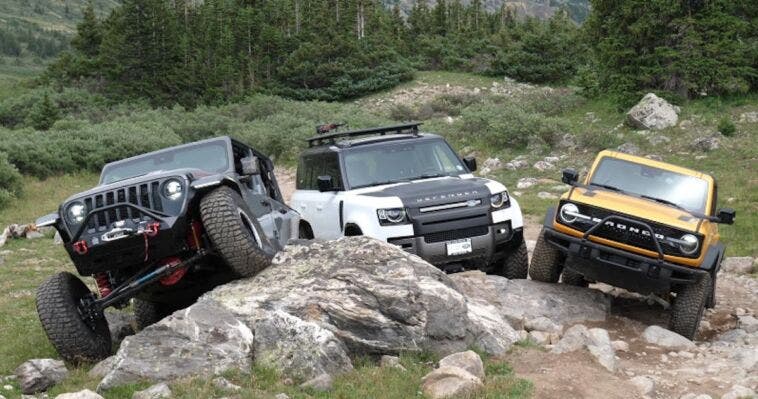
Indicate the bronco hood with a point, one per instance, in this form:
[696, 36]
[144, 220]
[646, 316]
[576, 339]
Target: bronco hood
[436, 191]
[634, 207]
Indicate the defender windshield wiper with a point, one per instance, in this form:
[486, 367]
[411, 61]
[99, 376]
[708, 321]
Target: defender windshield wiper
[664, 201]
[380, 183]
[431, 176]
[607, 186]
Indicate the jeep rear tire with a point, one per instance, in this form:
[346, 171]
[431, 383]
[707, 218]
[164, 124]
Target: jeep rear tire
[515, 264]
[689, 304]
[58, 303]
[147, 313]
[234, 232]
[547, 261]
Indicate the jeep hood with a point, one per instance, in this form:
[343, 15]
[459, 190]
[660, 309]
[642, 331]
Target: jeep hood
[634, 207]
[433, 191]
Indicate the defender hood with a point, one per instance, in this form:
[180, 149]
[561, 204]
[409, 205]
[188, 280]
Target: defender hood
[432, 192]
[634, 207]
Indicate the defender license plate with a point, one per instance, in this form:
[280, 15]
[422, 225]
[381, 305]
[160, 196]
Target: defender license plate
[459, 247]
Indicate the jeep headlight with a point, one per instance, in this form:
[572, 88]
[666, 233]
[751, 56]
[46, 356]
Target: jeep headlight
[689, 244]
[76, 212]
[173, 189]
[499, 199]
[569, 213]
[391, 215]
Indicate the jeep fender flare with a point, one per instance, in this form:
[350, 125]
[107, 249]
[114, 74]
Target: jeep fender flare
[208, 183]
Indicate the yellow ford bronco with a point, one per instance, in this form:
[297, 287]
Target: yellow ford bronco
[639, 224]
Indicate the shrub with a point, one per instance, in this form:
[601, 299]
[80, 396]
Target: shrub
[10, 181]
[509, 125]
[726, 126]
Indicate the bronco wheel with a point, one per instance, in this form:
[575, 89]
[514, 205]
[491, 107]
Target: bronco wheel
[547, 261]
[234, 233]
[571, 277]
[147, 313]
[515, 265]
[689, 304]
[59, 306]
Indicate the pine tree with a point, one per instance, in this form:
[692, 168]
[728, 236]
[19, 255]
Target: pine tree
[88, 34]
[44, 113]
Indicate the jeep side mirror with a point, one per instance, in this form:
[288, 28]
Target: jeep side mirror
[250, 166]
[470, 163]
[325, 183]
[726, 215]
[570, 176]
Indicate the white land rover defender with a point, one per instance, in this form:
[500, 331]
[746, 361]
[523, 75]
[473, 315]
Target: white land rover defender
[412, 190]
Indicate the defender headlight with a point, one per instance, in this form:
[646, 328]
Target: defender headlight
[499, 199]
[173, 189]
[689, 244]
[391, 215]
[569, 212]
[76, 212]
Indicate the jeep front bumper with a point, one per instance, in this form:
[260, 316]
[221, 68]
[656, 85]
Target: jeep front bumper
[488, 243]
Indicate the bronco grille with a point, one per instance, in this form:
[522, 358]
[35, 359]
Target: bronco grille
[456, 234]
[146, 195]
[628, 237]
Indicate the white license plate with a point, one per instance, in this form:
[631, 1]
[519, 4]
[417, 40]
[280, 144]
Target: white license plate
[459, 247]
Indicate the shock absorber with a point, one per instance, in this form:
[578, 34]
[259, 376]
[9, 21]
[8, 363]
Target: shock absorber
[103, 284]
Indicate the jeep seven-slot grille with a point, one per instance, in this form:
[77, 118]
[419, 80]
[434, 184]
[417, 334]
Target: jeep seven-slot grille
[456, 234]
[146, 195]
[628, 237]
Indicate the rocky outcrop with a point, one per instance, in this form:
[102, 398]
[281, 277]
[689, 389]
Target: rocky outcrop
[39, 375]
[653, 113]
[667, 339]
[459, 374]
[157, 391]
[84, 394]
[738, 264]
[595, 340]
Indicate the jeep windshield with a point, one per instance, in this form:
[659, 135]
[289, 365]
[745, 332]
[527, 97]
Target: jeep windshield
[663, 186]
[400, 162]
[212, 157]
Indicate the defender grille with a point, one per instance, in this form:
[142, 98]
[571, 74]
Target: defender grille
[455, 234]
[146, 195]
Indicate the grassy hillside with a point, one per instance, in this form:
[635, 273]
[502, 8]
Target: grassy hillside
[58, 15]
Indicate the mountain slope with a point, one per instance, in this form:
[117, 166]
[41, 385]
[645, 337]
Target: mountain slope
[577, 9]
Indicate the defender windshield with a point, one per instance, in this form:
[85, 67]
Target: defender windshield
[676, 189]
[402, 161]
[211, 156]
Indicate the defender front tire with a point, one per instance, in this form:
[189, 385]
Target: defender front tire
[547, 261]
[689, 304]
[515, 265]
[58, 303]
[234, 233]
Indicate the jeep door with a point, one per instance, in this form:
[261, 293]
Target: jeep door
[319, 209]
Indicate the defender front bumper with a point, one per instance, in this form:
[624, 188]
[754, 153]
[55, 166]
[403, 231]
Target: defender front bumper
[485, 248]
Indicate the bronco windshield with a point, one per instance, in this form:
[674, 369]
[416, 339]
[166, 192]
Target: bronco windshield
[665, 186]
[211, 156]
[402, 161]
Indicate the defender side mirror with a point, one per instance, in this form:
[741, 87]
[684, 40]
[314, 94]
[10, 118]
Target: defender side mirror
[726, 215]
[470, 163]
[250, 166]
[325, 183]
[570, 176]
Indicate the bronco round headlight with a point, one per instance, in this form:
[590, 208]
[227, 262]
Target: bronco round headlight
[173, 189]
[689, 244]
[76, 212]
[568, 213]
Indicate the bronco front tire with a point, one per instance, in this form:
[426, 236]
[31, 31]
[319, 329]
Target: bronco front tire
[515, 265]
[547, 261]
[689, 304]
[234, 232]
[59, 309]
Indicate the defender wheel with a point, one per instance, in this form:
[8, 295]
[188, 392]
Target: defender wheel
[547, 261]
[147, 313]
[234, 233]
[689, 304]
[515, 265]
[58, 307]
[571, 277]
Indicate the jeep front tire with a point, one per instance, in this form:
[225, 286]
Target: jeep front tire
[547, 261]
[689, 304]
[58, 306]
[515, 264]
[234, 232]
[147, 313]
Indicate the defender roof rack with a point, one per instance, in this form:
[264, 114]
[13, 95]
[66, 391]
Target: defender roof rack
[321, 139]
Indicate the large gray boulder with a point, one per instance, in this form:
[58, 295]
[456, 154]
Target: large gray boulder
[318, 304]
[37, 375]
[653, 113]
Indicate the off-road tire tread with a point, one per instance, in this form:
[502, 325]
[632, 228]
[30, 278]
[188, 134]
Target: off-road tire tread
[570, 277]
[147, 313]
[546, 261]
[74, 340]
[515, 265]
[218, 211]
[689, 304]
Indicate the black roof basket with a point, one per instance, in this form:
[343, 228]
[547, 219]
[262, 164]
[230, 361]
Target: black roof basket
[321, 139]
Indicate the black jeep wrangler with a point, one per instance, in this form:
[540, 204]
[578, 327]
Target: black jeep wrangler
[162, 228]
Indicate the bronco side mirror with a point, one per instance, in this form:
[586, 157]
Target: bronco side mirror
[250, 166]
[325, 183]
[570, 176]
[470, 163]
[726, 215]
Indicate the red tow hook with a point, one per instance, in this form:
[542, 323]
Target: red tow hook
[152, 229]
[80, 247]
